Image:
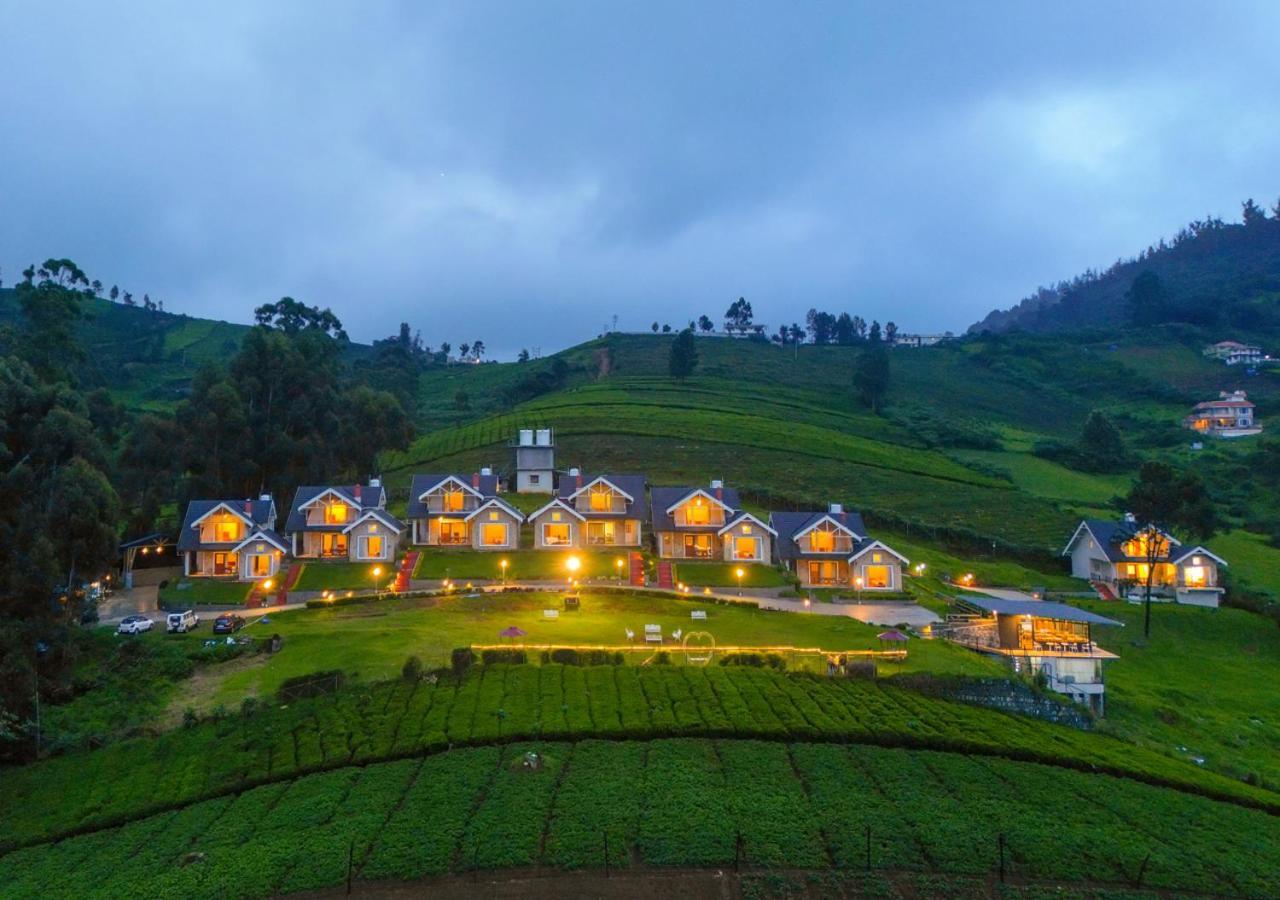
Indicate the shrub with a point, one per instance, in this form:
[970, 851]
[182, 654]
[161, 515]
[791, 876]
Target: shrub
[860, 668]
[662, 658]
[566, 656]
[755, 660]
[189, 718]
[515, 657]
[412, 669]
[461, 660]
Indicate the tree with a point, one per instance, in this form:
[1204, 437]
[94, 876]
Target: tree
[796, 332]
[859, 328]
[128, 299]
[523, 356]
[477, 349]
[666, 328]
[821, 326]
[96, 287]
[874, 334]
[890, 332]
[684, 355]
[1166, 504]
[1254, 214]
[654, 326]
[291, 316]
[114, 294]
[871, 376]
[464, 350]
[843, 330]
[51, 311]
[738, 316]
[705, 324]
[1101, 447]
[372, 421]
[1147, 299]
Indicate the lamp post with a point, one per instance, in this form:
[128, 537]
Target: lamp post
[572, 564]
[618, 565]
[502, 563]
[377, 573]
[739, 572]
[858, 584]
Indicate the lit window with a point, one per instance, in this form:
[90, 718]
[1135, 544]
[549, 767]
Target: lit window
[697, 513]
[555, 517]
[335, 514]
[746, 529]
[373, 546]
[822, 540]
[493, 535]
[555, 535]
[452, 500]
[1195, 576]
[226, 530]
[876, 557]
[877, 576]
[601, 499]
[373, 527]
[493, 517]
[744, 548]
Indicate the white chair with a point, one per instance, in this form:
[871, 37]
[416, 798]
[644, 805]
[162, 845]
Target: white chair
[699, 614]
[631, 635]
[675, 635]
[551, 614]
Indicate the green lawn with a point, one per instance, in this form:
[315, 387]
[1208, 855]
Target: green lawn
[723, 574]
[1045, 478]
[530, 565]
[1206, 682]
[344, 576]
[1250, 557]
[185, 592]
[987, 572]
[374, 639]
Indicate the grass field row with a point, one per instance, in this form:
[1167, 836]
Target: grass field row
[667, 803]
[133, 778]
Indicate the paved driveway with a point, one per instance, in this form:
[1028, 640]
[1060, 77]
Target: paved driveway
[144, 600]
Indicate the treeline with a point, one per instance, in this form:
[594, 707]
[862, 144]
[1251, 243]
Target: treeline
[820, 327]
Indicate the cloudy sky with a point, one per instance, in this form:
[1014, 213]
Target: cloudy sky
[522, 172]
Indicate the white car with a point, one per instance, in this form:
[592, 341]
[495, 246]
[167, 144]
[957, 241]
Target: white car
[134, 625]
[182, 622]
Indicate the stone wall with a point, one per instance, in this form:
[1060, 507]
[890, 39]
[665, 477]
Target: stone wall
[1008, 695]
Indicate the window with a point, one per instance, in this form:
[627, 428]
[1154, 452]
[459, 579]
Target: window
[493, 534]
[260, 565]
[452, 500]
[877, 557]
[600, 533]
[372, 546]
[226, 530]
[1195, 576]
[555, 517]
[535, 479]
[697, 513]
[876, 576]
[335, 514]
[823, 572]
[493, 517]
[697, 546]
[555, 535]
[601, 499]
[746, 529]
[744, 548]
[373, 527]
[224, 564]
[333, 545]
[822, 540]
[453, 531]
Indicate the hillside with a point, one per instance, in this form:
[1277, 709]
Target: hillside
[1215, 274]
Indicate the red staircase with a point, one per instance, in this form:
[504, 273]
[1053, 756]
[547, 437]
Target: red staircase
[1104, 591]
[406, 572]
[666, 576]
[637, 570]
[287, 582]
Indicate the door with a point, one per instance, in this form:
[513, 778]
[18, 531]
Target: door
[224, 564]
[823, 572]
[697, 546]
[260, 565]
[333, 544]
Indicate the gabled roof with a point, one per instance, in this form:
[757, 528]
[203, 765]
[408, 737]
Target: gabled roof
[790, 525]
[255, 513]
[557, 503]
[422, 485]
[861, 548]
[630, 486]
[745, 517]
[1198, 551]
[501, 504]
[666, 499]
[372, 496]
[380, 515]
[1044, 609]
[263, 534]
[1109, 536]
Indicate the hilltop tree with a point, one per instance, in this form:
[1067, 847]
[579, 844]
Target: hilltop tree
[1254, 214]
[890, 332]
[96, 287]
[684, 355]
[666, 329]
[1147, 299]
[1101, 447]
[128, 299]
[654, 326]
[291, 316]
[477, 349]
[1165, 502]
[871, 376]
[705, 324]
[464, 350]
[738, 316]
[874, 334]
[114, 294]
[843, 330]
[821, 326]
[51, 311]
[523, 356]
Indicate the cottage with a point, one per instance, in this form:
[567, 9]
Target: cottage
[1037, 638]
[231, 539]
[592, 511]
[833, 549]
[462, 511]
[1234, 353]
[343, 522]
[707, 523]
[1113, 556]
[1231, 415]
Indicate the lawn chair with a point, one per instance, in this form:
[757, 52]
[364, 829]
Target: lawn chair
[699, 615]
[551, 614]
[653, 634]
[675, 635]
[631, 635]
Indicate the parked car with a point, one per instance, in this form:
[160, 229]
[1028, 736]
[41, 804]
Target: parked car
[181, 622]
[134, 625]
[228, 623]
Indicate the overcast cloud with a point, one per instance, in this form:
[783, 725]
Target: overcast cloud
[522, 172]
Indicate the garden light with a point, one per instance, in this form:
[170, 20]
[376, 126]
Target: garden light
[739, 572]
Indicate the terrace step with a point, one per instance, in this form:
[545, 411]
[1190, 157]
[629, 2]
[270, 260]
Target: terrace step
[406, 571]
[637, 570]
[666, 575]
[1103, 590]
[286, 584]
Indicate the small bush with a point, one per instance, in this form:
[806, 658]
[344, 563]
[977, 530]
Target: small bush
[860, 668]
[461, 660]
[412, 669]
[189, 718]
[566, 656]
[755, 660]
[513, 657]
[662, 658]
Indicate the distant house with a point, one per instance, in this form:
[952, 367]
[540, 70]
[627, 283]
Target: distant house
[231, 539]
[707, 523]
[592, 511]
[462, 511]
[833, 549]
[1231, 415]
[343, 522]
[1234, 353]
[1113, 556]
[1036, 638]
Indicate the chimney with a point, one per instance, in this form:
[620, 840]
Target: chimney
[356, 491]
[265, 498]
[836, 509]
[475, 480]
[1130, 518]
[248, 508]
[375, 482]
[577, 475]
[486, 471]
[718, 486]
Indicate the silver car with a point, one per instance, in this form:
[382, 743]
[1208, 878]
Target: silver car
[134, 625]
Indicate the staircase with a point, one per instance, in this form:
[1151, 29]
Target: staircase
[406, 571]
[1104, 591]
[637, 570]
[666, 575]
[287, 582]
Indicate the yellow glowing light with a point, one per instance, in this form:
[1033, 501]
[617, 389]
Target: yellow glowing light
[266, 585]
[503, 563]
[618, 562]
[377, 571]
[572, 563]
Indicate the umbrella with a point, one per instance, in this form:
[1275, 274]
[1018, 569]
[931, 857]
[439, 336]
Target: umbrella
[891, 635]
[512, 632]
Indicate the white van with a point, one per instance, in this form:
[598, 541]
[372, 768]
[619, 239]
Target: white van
[180, 622]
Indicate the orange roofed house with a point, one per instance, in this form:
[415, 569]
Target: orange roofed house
[1231, 415]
